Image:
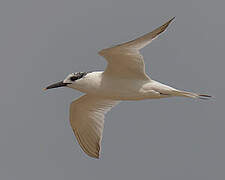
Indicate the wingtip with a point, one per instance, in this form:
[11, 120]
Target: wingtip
[164, 26]
[171, 19]
[94, 155]
[97, 157]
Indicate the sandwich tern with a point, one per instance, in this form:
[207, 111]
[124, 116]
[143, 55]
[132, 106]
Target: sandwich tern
[123, 79]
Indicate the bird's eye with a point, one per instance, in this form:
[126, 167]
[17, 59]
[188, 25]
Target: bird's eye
[73, 78]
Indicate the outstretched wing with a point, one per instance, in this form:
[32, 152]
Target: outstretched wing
[87, 120]
[125, 60]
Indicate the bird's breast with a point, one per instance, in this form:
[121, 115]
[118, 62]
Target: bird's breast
[113, 87]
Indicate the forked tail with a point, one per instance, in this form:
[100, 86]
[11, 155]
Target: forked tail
[191, 95]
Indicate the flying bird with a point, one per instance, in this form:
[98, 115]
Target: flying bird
[123, 79]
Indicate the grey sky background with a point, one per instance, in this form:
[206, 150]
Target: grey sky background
[168, 139]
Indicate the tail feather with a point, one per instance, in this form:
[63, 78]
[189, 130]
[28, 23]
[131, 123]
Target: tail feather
[192, 95]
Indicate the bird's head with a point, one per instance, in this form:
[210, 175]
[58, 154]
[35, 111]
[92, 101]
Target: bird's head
[70, 79]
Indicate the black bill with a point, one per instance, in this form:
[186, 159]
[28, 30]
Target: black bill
[56, 85]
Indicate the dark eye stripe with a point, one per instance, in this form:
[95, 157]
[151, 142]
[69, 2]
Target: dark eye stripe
[73, 78]
[78, 75]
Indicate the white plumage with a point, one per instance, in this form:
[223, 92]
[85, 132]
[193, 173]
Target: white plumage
[123, 79]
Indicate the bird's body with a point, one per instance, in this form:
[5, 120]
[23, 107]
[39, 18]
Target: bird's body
[123, 79]
[115, 88]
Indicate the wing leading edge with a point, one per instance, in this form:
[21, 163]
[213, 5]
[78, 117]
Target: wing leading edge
[124, 60]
